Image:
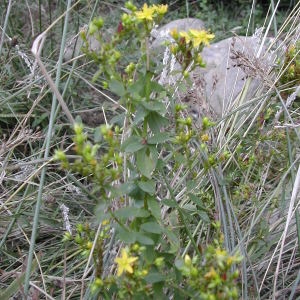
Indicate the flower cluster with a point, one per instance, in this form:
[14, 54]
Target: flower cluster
[132, 270]
[183, 126]
[291, 65]
[188, 45]
[147, 15]
[196, 37]
[152, 12]
[103, 169]
[215, 276]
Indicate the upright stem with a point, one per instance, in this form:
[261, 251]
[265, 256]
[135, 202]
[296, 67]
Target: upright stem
[147, 54]
[5, 25]
[46, 155]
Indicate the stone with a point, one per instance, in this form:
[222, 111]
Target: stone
[75, 43]
[229, 63]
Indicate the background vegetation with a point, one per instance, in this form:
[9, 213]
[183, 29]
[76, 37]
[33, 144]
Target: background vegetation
[235, 181]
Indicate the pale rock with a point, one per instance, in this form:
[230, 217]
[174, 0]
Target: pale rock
[228, 65]
[75, 43]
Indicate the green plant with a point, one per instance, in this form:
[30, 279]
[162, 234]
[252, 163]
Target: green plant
[148, 150]
[162, 212]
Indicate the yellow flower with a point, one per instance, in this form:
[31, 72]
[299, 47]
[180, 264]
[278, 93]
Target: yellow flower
[125, 262]
[221, 253]
[211, 274]
[185, 35]
[146, 13]
[105, 222]
[174, 33]
[161, 9]
[205, 137]
[200, 36]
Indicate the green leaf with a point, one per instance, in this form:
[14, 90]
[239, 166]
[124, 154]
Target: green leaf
[191, 184]
[118, 119]
[127, 212]
[40, 118]
[197, 201]
[98, 137]
[144, 240]
[155, 106]
[154, 277]
[146, 160]
[138, 195]
[169, 203]
[156, 87]
[133, 144]
[100, 210]
[140, 115]
[123, 189]
[117, 87]
[189, 208]
[179, 263]
[158, 291]
[175, 243]
[156, 121]
[147, 186]
[152, 227]
[126, 236]
[147, 84]
[149, 254]
[181, 159]
[159, 138]
[154, 207]
[137, 88]
[204, 216]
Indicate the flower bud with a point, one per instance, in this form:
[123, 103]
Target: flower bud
[129, 5]
[188, 121]
[92, 28]
[186, 74]
[78, 128]
[187, 260]
[60, 155]
[194, 272]
[159, 261]
[98, 22]
[67, 237]
[98, 282]
[79, 228]
[89, 245]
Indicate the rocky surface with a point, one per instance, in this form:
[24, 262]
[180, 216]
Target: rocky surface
[229, 63]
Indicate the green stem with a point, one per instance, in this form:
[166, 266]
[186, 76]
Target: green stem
[46, 155]
[5, 24]
[145, 128]
[179, 209]
[146, 202]
[147, 54]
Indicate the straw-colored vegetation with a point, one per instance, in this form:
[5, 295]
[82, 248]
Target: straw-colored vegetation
[107, 188]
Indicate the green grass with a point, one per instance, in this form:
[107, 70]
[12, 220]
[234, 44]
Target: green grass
[253, 192]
